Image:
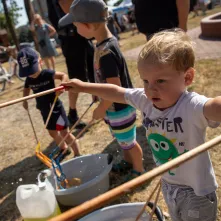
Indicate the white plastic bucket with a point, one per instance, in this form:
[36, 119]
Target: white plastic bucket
[120, 212]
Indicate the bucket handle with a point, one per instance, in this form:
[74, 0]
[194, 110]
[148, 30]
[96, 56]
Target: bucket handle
[42, 183]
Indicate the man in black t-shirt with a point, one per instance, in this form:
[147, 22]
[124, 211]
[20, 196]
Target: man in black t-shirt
[153, 16]
[78, 52]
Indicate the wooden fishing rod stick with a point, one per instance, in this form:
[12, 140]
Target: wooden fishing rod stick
[111, 195]
[31, 96]
[81, 132]
[73, 127]
[32, 125]
[52, 108]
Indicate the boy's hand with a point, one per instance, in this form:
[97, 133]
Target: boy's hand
[99, 113]
[25, 105]
[95, 99]
[74, 85]
[58, 93]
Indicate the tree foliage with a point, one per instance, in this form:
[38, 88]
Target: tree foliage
[14, 14]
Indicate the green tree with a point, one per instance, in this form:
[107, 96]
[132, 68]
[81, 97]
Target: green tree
[14, 14]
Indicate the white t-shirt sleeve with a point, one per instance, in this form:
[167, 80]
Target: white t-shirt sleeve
[195, 109]
[137, 98]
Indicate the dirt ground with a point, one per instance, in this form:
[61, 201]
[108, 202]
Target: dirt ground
[17, 143]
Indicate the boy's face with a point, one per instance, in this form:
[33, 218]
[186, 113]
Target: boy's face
[84, 30]
[35, 75]
[163, 85]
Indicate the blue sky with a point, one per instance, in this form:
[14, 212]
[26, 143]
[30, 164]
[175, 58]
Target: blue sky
[23, 19]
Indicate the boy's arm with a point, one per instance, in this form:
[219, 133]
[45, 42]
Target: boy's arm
[212, 109]
[100, 111]
[116, 80]
[52, 30]
[26, 92]
[61, 76]
[183, 7]
[107, 91]
[65, 5]
[32, 25]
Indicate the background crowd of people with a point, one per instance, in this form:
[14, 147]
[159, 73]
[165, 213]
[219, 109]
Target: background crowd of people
[199, 5]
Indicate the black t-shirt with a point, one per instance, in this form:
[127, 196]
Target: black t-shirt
[43, 82]
[108, 63]
[55, 13]
[110, 25]
[153, 16]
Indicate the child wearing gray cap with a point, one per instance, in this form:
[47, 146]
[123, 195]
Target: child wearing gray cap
[90, 17]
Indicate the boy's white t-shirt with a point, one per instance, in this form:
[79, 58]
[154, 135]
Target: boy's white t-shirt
[175, 131]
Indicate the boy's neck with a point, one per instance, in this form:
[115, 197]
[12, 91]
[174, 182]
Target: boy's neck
[39, 69]
[102, 34]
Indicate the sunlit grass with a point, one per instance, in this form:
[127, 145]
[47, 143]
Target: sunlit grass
[128, 41]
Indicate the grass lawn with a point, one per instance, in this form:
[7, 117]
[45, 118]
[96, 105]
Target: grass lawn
[128, 42]
[193, 22]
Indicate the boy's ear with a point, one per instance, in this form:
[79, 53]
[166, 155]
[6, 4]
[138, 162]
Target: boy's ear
[188, 76]
[40, 61]
[88, 26]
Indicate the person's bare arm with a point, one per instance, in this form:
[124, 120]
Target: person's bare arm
[183, 7]
[117, 26]
[61, 76]
[32, 25]
[116, 81]
[108, 92]
[100, 111]
[2, 48]
[26, 92]
[52, 30]
[212, 109]
[65, 5]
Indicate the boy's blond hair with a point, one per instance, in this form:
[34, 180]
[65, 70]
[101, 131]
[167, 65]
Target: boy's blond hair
[171, 47]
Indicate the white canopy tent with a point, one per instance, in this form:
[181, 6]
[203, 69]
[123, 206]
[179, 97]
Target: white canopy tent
[126, 3]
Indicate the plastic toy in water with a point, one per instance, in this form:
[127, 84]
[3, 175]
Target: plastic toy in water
[55, 165]
[56, 157]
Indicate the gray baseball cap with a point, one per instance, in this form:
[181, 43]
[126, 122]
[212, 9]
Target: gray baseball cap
[85, 11]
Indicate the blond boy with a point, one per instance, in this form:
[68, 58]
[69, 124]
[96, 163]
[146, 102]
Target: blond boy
[175, 121]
